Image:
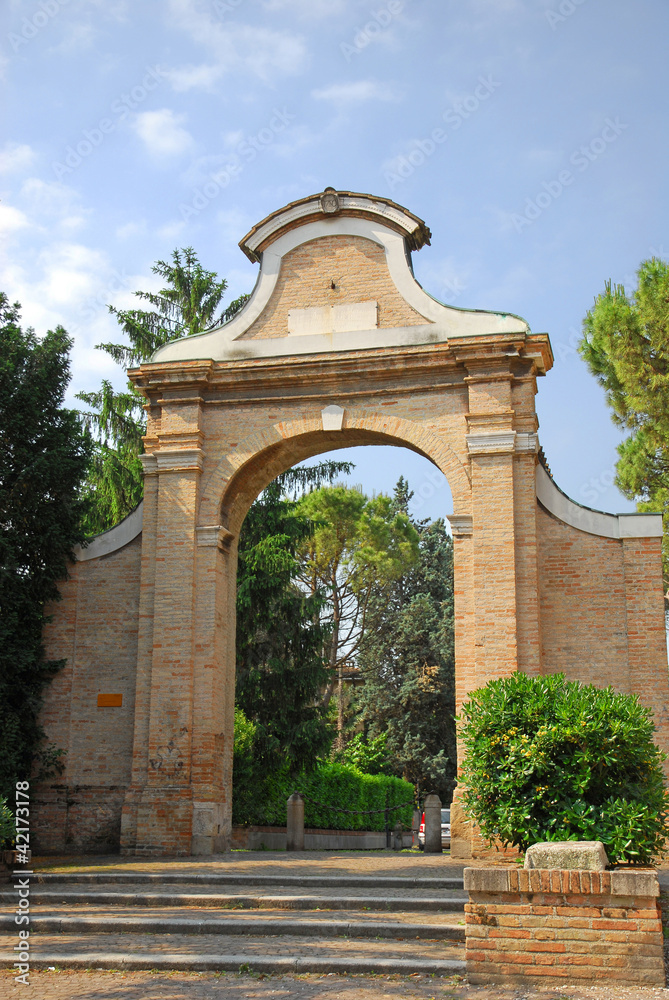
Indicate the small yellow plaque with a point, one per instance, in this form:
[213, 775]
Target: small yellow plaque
[110, 700]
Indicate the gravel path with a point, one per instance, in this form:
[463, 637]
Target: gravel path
[230, 986]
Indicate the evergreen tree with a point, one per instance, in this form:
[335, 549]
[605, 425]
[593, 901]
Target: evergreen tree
[187, 305]
[407, 660]
[626, 346]
[44, 454]
[281, 666]
[358, 547]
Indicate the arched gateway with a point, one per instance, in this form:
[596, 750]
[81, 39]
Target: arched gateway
[338, 346]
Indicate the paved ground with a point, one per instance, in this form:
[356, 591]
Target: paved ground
[63, 985]
[403, 863]
[230, 986]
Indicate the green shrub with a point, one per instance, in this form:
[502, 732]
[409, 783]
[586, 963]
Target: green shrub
[368, 755]
[551, 759]
[7, 826]
[259, 799]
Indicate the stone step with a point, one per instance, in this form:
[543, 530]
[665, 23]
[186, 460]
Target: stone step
[220, 953]
[224, 878]
[408, 901]
[260, 924]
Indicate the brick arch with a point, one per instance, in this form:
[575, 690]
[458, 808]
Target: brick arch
[258, 459]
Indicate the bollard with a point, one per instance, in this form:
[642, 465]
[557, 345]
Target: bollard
[295, 823]
[415, 827]
[432, 808]
[398, 836]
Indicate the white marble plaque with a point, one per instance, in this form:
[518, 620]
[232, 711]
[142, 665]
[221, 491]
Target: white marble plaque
[346, 318]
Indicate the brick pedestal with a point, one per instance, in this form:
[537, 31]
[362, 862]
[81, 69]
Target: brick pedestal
[554, 926]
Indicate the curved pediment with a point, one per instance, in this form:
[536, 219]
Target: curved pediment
[335, 275]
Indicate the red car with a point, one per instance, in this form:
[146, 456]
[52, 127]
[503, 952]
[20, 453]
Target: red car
[445, 829]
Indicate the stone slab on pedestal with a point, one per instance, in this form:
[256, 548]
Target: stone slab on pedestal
[586, 855]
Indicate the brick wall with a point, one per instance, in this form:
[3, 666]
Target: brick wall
[94, 628]
[155, 620]
[559, 926]
[602, 613]
[359, 271]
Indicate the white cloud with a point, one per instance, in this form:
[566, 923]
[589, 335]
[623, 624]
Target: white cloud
[130, 229]
[190, 77]
[162, 133]
[308, 8]
[240, 48]
[70, 272]
[356, 91]
[15, 156]
[12, 219]
[77, 37]
[52, 202]
[171, 230]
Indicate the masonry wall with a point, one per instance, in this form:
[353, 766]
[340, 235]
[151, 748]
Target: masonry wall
[94, 628]
[582, 605]
[602, 613]
[556, 926]
[357, 268]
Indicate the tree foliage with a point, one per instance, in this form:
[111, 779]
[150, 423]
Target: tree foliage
[187, 305]
[626, 346]
[44, 454]
[337, 794]
[358, 546]
[407, 661]
[551, 759]
[281, 637]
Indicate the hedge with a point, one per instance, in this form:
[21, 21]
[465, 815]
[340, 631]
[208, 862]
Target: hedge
[339, 786]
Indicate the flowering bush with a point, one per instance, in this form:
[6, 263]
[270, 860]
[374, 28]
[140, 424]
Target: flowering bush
[551, 759]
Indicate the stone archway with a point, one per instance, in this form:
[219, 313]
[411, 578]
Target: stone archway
[340, 346]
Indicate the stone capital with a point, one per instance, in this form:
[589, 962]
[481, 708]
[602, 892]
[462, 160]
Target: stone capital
[492, 443]
[180, 459]
[214, 535]
[149, 465]
[461, 524]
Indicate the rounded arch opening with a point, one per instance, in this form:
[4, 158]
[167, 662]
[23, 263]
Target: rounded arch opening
[236, 483]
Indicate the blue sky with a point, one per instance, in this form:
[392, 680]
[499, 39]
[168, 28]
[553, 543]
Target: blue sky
[531, 135]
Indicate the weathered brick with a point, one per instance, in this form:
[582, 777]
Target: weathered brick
[155, 619]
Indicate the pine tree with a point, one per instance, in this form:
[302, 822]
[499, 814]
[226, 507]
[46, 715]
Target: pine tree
[408, 663]
[187, 305]
[358, 547]
[44, 454]
[626, 346]
[281, 665]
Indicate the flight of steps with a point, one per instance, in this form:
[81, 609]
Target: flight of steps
[222, 920]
